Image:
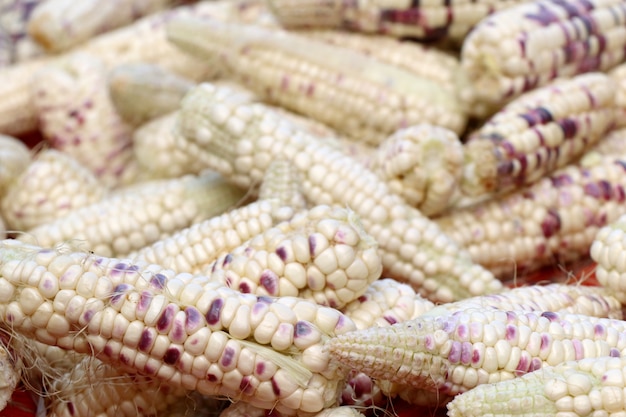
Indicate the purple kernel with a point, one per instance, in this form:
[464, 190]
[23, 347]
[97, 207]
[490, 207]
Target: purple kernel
[264, 299]
[511, 332]
[282, 253]
[144, 301]
[88, 315]
[545, 342]
[614, 352]
[599, 330]
[535, 364]
[312, 245]
[171, 356]
[118, 292]
[429, 342]
[211, 377]
[228, 356]
[227, 260]
[158, 281]
[578, 349]
[522, 365]
[476, 356]
[455, 353]
[213, 315]
[259, 369]
[550, 315]
[302, 328]
[166, 318]
[70, 408]
[192, 317]
[275, 387]
[551, 224]
[569, 127]
[390, 320]
[462, 331]
[466, 353]
[244, 288]
[269, 281]
[145, 341]
[245, 385]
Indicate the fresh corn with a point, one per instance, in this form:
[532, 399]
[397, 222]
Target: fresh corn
[431, 21]
[242, 409]
[129, 220]
[323, 255]
[587, 387]
[243, 138]
[53, 184]
[553, 220]
[182, 329]
[356, 94]
[454, 352]
[528, 45]
[142, 92]
[538, 132]
[58, 25]
[15, 44]
[607, 250]
[76, 116]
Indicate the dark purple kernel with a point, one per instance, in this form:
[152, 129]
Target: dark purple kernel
[592, 189]
[244, 385]
[70, 408]
[312, 245]
[264, 299]
[228, 356]
[466, 353]
[88, 315]
[158, 281]
[390, 320]
[260, 368]
[454, 356]
[476, 356]
[550, 315]
[522, 366]
[118, 293]
[211, 378]
[269, 281]
[171, 356]
[535, 364]
[166, 318]
[108, 351]
[192, 317]
[150, 370]
[144, 300]
[244, 288]
[302, 328]
[145, 341]
[545, 342]
[511, 332]
[615, 353]
[605, 187]
[282, 253]
[215, 310]
[551, 224]
[275, 387]
[125, 359]
[569, 127]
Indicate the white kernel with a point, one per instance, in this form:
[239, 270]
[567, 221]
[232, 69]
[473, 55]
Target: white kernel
[30, 300]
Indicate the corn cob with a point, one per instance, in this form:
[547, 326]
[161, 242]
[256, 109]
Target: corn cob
[323, 255]
[14, 158]
[188, 331]
[528, 45]
[454, 352]
[53, 184]
[587, 387]
[77, 116]
[243, 138]
[538, 132]
[128, 221]
[425, 22]
[142, 92]
[281, 185]
[366, 99]
[553, 220]
[142, 41]
[607, 250]
[242, 409]
[15, 44]
[58, 25]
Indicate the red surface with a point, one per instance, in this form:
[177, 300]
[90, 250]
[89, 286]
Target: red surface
[21, 405]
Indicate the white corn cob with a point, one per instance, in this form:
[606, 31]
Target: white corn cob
[243, 139]
[454, 352]
[15, 44]
[127, 221]
[608, 251]
[14, 158]
[323, 255]
[356, 94]
[142, 92]
[53, 184]
[242, 409]
[58, 25]
[538, 132]
[553, 220]
[587, 387]
[182, 329]
[527, 45]
[76, 116]
[142, 41]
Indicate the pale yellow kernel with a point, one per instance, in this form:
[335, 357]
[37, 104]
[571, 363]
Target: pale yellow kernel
[215, 346]
[266, 328]
[74, 308]
[240, 327]
[58, 325]
[555, 389]
[41, 316]
[612, 399]
[507, 357]
[30, 299]
[87, 284]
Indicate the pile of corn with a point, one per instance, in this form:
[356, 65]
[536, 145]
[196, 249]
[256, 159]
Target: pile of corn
[312, 208]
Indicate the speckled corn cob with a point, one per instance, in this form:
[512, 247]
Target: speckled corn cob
[455, 352]
[323, 255]
[182, 329]
[424, 21]
[14, 158]
[58, 25]
[527, 45]
[125, 222]
[553, 220]
[587, 387]
[538, 132]
[354, 93]
[142, 92]
[53, 184]
[608, 251]
[244, 138]
[76, 116]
